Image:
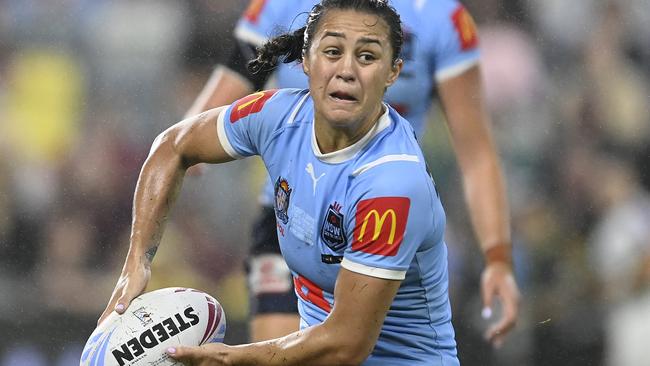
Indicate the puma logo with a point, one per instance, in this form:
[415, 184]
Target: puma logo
[310, 169]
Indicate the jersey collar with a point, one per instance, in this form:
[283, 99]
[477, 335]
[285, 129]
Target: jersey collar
[340, 156]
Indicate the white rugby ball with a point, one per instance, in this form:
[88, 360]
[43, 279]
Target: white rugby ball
[153, 322]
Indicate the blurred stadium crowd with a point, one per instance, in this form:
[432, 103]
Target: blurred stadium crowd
[86, 85]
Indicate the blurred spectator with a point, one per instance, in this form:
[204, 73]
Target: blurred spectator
[41, 119]
[564, 27]
[619, 88]
[133, 50]
[66, 270]
[515, 82]
[620, 251]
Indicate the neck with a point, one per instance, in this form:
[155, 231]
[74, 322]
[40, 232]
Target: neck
[332, 137]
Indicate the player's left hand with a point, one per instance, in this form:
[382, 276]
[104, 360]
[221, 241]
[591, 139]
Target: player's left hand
[497, 280]
[213, 354]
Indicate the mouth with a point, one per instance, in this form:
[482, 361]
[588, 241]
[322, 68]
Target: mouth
[340, 96]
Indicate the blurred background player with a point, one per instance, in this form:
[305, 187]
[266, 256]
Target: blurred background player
[440, 60]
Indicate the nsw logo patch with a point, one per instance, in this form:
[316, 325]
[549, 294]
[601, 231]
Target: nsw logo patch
[332, 231]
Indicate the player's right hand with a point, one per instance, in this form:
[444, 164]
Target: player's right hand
[131, 283]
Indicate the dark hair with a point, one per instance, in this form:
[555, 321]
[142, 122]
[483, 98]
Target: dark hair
[293, 46]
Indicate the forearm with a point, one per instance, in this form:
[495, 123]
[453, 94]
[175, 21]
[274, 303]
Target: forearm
[346, 337]
[315, 346]
[158, 185]
[483, 182]
[188, 142]
[484, 190]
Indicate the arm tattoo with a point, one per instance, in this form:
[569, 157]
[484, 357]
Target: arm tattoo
[151, 253]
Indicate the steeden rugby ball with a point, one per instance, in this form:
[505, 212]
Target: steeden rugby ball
[153, 322]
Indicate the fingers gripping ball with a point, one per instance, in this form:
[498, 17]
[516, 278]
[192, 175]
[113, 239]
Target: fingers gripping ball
[154, 322]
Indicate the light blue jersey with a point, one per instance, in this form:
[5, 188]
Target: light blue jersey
[371, 208]
[440, 42]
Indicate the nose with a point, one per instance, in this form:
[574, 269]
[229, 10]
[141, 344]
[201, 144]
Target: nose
[345, 69]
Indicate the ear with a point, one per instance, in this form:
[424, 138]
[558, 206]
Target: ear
[305, 64]
[395, 70]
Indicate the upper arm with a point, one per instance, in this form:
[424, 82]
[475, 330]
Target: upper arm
[469, 123]
[361, 304]
[195, 139]
[229, 132]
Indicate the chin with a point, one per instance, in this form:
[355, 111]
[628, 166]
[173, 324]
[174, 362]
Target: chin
[341, 119]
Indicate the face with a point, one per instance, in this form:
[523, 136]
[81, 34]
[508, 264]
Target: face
[349, 65]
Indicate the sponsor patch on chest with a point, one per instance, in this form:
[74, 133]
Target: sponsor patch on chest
[301, 225]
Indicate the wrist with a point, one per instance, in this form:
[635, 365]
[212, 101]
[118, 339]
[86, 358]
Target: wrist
[500, 253]
[136, 262]
[243, 354]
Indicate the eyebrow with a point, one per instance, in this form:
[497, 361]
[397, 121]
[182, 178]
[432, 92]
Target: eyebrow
[341, 35]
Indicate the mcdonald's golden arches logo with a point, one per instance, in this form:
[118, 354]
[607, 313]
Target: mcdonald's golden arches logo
[250, 104]
[465, 27]
[380, 225]
[254, 9]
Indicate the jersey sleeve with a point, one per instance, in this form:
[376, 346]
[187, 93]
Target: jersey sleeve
[391, 219]
[242, 52]
[262, 20]
[246, 126]
[455, 41]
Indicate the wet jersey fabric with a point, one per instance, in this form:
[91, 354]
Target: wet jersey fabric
[440, 41]
[353, 208]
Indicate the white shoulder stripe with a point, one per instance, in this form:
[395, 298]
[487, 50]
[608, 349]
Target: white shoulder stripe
[223, 138]
[385, 159]
[387, 274]
[292, 117]
[455, 70]
[249, 36]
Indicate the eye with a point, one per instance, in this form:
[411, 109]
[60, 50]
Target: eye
[367, 57]
[332, 52]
